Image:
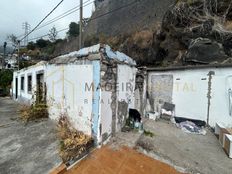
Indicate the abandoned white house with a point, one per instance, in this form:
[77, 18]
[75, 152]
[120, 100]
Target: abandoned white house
[96, 87]
[93, 86]
[198, 92]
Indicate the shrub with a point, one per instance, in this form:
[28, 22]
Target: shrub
[73, 143]
[6, 77]
[33, 112]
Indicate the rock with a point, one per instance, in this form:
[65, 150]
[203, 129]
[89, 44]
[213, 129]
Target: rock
[162, 33]
[224, 8]
[204, 50]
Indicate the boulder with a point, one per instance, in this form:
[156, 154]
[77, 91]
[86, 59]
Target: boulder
[204, 50]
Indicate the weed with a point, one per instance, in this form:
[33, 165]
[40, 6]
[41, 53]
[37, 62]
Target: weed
[73, 143]
[148, 133]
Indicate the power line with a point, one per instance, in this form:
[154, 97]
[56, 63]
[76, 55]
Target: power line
[43, 19]
[47, 34]
[112, 11]
[62, 16]
[69, 12]
[66, 12]
[99, 16]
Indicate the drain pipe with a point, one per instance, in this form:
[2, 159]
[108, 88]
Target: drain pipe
[210, 74]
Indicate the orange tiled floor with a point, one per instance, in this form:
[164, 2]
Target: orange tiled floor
[123, 161]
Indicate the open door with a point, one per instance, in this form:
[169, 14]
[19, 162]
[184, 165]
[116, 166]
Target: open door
[40, 88]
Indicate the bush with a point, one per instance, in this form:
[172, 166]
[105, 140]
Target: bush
[73, 143]
[33, 112]
[6, 77]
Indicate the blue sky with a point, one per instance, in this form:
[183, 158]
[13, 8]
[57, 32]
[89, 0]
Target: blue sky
[15, 12]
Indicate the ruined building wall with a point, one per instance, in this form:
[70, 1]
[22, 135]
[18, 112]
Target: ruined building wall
[190, 91]
[108, 99]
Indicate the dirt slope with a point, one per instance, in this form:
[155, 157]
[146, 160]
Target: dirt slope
[162, 33]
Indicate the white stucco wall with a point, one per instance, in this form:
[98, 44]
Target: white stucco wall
[66, 94]
[125, 87]
[106, 113]
[126, 84]
[190, 88]
[219, 109]
[25, 96]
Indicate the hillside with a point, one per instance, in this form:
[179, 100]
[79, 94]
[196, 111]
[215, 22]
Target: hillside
[162, 33]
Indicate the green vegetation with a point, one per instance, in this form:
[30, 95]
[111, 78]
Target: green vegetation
[148, 133]
[6, 77]
[73, 30]
[37, 110]
[33, 112]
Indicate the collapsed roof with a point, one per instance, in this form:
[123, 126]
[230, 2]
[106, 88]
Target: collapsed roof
[101, 49]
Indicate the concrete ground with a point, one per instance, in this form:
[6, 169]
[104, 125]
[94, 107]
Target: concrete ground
[193, 153]
[25, 149]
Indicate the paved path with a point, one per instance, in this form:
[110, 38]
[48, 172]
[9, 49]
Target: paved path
[30, 149]
[122, 161]
[195, 153]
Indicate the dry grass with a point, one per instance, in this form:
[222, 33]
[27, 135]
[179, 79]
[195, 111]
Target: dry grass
[73, 143]
[33, 112]
[228, 25]
[143, 38]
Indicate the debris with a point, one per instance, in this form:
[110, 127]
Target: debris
[167, 111]
[228, 145]
[190, 127]
[199, 123]
[153, 115]
[224, 136]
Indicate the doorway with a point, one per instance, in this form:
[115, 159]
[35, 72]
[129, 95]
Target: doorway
[16, 88]
[40, 97]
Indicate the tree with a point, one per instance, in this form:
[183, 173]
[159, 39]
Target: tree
[31, 46]
[6, 77]
[53, 34]
[41, 43]
[73, 30]
[13, 39]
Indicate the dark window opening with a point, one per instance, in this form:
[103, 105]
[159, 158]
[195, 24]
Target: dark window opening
[22, 83]
[29, 84]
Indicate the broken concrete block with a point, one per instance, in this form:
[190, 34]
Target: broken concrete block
[228, 145]
[218, 126]
[223, 131]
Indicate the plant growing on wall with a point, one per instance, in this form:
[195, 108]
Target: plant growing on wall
[38, 109]
[73, 144]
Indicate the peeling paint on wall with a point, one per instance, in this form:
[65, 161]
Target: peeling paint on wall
[123, 108]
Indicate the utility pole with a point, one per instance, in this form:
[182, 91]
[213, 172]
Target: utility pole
[26, 27]
[18, 53]
[4, 55]
[80, 24]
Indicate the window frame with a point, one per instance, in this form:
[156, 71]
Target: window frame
[22, 85]
[29, 91]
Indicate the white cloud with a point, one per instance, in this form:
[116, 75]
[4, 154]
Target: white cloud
[15, 12]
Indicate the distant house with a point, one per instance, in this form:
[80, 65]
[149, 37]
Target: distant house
[11, 62]
[93, 86]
